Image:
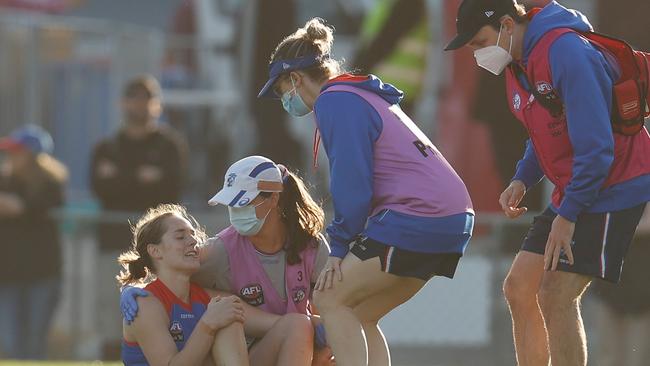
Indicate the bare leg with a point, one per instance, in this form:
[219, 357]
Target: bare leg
[361, 280]
[371, 310]
[229, 347]
[520, 289]
[289, 342]
[559, 299]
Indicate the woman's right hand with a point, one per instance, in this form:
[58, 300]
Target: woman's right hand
[511, 197]
[331, 270]
[223, 311]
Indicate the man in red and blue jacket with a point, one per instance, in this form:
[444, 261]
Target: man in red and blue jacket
[602, 179]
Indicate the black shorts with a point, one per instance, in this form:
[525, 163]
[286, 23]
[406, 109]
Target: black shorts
[600, 241]
[405, 263]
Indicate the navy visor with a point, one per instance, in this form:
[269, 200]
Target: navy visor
[277, 68]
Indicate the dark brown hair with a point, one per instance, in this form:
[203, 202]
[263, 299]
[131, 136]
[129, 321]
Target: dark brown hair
[518, 14]
[149, 229]
[315, 38]
[303, 218]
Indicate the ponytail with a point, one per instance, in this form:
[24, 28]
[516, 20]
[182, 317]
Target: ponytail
[315, 38]
[135, 268]
[303, 217]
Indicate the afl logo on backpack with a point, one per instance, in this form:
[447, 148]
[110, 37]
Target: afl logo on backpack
[631, 96]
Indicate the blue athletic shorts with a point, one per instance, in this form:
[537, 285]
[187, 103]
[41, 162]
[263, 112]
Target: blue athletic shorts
[600, 241]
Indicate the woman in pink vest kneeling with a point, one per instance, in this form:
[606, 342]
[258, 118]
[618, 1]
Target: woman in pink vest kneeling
[272, 253]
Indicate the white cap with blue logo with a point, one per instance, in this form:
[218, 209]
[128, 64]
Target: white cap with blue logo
[245, 179]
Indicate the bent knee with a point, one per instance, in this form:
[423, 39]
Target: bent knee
[297, 324]
[517, 290]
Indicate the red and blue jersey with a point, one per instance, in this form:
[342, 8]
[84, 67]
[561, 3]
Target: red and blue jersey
[183, 317]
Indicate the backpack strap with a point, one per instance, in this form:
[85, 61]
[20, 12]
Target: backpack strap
[550, 101]
[545, 96]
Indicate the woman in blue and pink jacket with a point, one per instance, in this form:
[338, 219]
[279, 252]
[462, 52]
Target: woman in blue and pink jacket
[396, 199]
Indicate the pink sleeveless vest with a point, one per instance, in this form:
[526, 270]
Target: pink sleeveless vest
[549, 135]
[403, 181]
[250, 282]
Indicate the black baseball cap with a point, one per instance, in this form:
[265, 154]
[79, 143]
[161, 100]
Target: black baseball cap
[474, 15]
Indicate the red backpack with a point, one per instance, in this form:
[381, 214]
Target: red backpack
[631, 98]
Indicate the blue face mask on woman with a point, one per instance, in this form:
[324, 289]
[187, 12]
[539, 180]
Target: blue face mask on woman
[292, 102]
[245, 221]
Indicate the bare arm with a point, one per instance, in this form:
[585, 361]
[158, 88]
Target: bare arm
[151, 333]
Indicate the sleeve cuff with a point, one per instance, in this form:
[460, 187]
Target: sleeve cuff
[338, 249]
[521, 179]
[570, 209]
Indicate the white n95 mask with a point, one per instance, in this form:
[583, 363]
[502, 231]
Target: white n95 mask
[494, 58]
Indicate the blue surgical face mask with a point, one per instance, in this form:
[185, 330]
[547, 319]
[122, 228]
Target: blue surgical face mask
[293, 103]
[245, 221]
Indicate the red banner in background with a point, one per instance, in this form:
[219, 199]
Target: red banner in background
[43, 6]
[465, 143]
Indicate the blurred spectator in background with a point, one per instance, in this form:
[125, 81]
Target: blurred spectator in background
[140, 167]
[625, 318]
[180, 64]
[31, 184]
[394, 44]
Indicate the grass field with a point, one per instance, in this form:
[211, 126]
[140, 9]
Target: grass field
[58, 363]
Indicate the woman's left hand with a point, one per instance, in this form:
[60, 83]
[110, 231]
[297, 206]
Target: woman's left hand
[332, 269]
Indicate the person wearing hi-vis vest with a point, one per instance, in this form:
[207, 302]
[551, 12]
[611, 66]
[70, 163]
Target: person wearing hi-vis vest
[601, 178]
[395, 42]
[397, 202]
[270, 256]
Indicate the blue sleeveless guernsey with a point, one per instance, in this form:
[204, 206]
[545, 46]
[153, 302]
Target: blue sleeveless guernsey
[183, 318]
